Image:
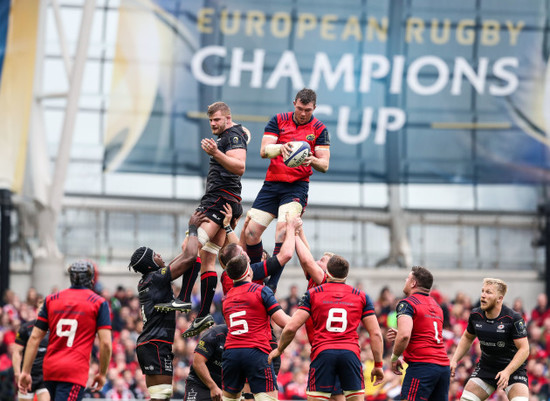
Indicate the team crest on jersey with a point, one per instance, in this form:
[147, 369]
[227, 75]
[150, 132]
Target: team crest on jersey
[401, 308]
[500, 326]
[201, 345]
[163, 271]
[310, 137]
[520, 327]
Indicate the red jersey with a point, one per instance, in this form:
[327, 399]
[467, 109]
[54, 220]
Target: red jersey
[73, 317]
[260, 270]
[247, 308]
[426, 343]
[284, 129]
[336, 310]
[310, 330]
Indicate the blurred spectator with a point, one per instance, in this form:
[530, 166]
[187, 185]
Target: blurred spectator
[541, 311]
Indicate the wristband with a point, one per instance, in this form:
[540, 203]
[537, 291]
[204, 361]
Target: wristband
[378, 364]
[192, 231]
[394, 357]
[228, 230]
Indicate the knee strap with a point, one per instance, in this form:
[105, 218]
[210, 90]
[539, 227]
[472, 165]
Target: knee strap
[293, 209]
[468, 396]
[160, 391]
[211, 248]
[264, 397]
[260, 217]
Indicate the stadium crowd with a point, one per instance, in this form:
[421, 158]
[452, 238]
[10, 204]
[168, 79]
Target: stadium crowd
[126, 381]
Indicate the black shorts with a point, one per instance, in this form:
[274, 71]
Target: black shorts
[488, 374]
[155, 358]
[37, 383]
[196, 391]
[212, 206]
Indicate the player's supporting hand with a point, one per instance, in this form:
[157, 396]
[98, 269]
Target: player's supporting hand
[502, 378]
[378, 374]
[453, 367]
[397, 367]
[216, 394]
[274, 354]
[228, 214]
[391, 334]
[209, 146]
[197, 218]
[25, 382]
[99, 382]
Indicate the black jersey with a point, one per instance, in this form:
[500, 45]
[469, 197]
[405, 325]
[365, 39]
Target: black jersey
[155, 288]
[22, 339]
[211, 347]
[219, 179]
[496, 336]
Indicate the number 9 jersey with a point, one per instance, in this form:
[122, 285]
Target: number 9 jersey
[336, 310]
[73, 317]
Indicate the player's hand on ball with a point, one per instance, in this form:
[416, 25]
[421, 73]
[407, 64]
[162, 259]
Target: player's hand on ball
[286, 149]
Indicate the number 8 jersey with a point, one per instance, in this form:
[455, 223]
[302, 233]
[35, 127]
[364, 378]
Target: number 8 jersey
[426, 343]
[73, 317]
[336, 310]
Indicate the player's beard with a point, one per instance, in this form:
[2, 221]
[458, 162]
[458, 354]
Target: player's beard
[489, 306]
[219, 129]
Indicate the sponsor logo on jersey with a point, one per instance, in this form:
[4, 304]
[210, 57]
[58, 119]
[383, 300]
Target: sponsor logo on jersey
[501, 344]
[150, 367]
[478, 325]
[191, 395]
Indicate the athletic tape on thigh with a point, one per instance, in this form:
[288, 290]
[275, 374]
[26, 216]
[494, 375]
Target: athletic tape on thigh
[483, 385]
[28, 396]
[224, 398]
[202, 235]
[160, 391]
[467, 396]
[260, 217]
[353, 393]
[293, 209]
[318, 395]
[519, 398]
[41, 390]
[211, 248]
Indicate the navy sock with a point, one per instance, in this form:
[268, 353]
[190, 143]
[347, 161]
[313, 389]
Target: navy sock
[255, 252]
[274, 279]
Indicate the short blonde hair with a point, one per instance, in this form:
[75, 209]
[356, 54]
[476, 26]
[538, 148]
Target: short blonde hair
[501, 286]
[329, 254]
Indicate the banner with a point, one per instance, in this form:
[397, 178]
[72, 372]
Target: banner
[418, 92]
[18, 35]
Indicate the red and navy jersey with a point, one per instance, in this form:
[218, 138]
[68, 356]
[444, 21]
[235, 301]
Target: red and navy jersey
[73, 316]
[284, 129]
[247, 308]
[310, 330]
[336, 310]
[426, 343]
[22, 339]
[260, 270]
[496, 336]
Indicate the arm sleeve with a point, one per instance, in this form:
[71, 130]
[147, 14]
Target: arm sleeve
[519, 331]
[271, 304]
[104, 316]
[235, 141]
[206, 345]
[324, 138]
[272, 127]
[404, 308]
[265, 268]
[22, 335]
[42, 320]
[305, 302]
[368, 309]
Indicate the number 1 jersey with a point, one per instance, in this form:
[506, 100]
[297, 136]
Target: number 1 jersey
[73, 317]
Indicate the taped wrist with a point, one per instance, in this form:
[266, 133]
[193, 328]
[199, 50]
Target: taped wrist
[273, 150]
[192, 230]
[228, 230]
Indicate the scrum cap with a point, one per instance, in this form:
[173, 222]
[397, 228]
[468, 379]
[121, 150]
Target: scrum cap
[81, 273]
[142, 260]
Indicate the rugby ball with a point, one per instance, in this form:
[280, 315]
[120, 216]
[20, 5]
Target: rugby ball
[300, 150]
